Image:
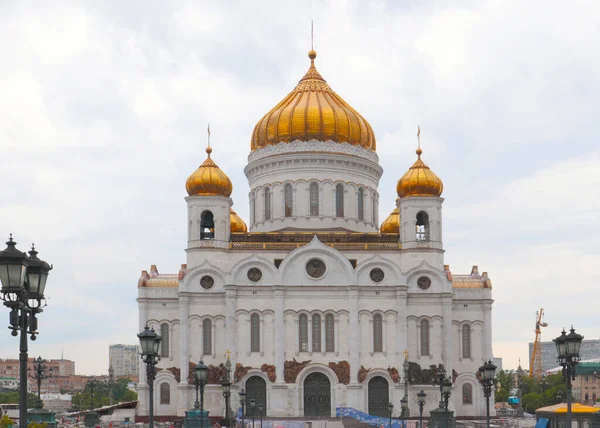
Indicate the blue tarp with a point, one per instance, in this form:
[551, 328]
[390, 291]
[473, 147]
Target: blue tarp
[366, 418]
[541, 423]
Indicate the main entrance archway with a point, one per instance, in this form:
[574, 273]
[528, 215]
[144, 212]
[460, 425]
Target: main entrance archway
[256, 388]
[317, 395]
[379, 397]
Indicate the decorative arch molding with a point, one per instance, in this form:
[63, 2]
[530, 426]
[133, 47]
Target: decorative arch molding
[316, 368]
[394, 275]
[254, 372]
[165, 375]
[316, 311]
[381, 373]
[238, 276]
[371, 313]
[425, 268]
[469, 322]
[201, 318]
[260, 312]
[191, 282]
[425, 317]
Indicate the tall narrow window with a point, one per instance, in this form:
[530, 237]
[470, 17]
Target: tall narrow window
[339, 200]
[422, 226]
[164, 340]
[207, 225]
[329, 333]
[254, 333]
[316, 333]
[288, 200]
[165, 393]
[314, 199]
[267, 203]
[377, 333]
[206, 337]
[360, 202]
[466, 341]
[424, 337]
[467, 391]
[303, 333]
[375, 216]
[253, 203]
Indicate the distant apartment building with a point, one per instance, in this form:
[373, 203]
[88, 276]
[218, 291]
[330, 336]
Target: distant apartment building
[590, 349]
[124, 360]
[61, 371]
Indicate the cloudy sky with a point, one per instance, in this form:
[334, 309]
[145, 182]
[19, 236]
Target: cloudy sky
[103, 114]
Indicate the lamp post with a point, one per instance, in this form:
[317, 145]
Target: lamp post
[242, 395]
[390, 410]
[252, 406]
[544, 387]
[149, 343]
[200, 379]
[439, 379]
[23, 284]
[92, 384]
[260, 412]
[226, 384]
[405, 367]
[488, 374]
[446, 391]
[111, 381]
[39, 374]
[567, 347]
[404, 409]
[421, 401]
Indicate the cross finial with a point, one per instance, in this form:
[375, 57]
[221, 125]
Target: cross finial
[405, 354]
[228, 354]
[312, 36]
[208, 129]
[419, 135]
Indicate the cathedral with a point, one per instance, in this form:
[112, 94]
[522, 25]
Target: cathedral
[318, 305]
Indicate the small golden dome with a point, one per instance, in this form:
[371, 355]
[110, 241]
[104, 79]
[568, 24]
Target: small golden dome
[392, 223]
[208, 180]
[419, 180]
[237, 224]
[313, 111]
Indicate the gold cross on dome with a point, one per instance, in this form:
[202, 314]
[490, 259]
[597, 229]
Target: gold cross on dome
[228, 354]
[406, 354]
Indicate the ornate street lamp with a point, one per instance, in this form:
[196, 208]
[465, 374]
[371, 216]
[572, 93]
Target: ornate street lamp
[252, 406]
[421, 401]
[40, 372]
[390, 410]
[488, 374]
[567, 347]
[446, 391]
[260, 412]
[150, 343]
[242, 394]
[200, 379]
[404, 409]
[544, 387]
[226, 384]
[23, 281]
[438, 379]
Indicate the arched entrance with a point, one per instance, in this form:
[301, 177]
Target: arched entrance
[317, 395]
[256, 388]
[379, 397]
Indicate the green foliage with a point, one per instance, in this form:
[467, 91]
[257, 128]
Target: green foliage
[82, 400]
[6, 422]
[531, 391]
[37, 425]
[13, 398]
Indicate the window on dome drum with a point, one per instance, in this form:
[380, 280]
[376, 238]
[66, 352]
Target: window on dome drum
[360, 202]
[206, 337]
[288, 200]
[164, 340]
[466, 341]
[467, 393]
[303, 333]
[375, 216]
[422, 226]
[339, 200]
[314, 199]
[253, 207]
[207, 226]
[267, 203]
[424, 337]
[329, 333]
[254, 333]
[377, 333]
[165, 393]
[316, 333]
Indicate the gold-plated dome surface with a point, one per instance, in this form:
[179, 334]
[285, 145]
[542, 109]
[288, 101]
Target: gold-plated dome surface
[419, 180]
[237, 224]
[208, 180]
[313, 111]
[392, 223]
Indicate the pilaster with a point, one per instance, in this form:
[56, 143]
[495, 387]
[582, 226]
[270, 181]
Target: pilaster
[184, 314]
[354, 343]
[279, 336]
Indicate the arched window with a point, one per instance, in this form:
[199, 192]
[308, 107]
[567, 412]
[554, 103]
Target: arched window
[422, 226]
[206, 337]
[267, 203]
[339, 200]
[303, 333]
[360, 202]
[467, 392]
[288, 200]
[377, 333]
[253, 206]
[424, 337]
[314, 199]
[207, 226]
[254, 333]
[165, 393]
[329, 333]
[466, 341]
[164, 340]
[375, 216]
[316, 333]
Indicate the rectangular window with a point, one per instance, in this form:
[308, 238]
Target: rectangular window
[316, 333]
[303, 333]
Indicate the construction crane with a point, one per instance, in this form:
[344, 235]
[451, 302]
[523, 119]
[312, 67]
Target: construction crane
[535, 368]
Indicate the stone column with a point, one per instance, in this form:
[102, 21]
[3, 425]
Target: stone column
[184, 347]
[142, 384]
[279, 336]
[487, 331]
[447, 351]
[354, 334]
[230, 323]
[401, 344]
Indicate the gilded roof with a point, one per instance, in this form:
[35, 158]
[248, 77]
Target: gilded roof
[208, 180]
[392, 223]
[313, 111]
[419, 180]
[236, 222]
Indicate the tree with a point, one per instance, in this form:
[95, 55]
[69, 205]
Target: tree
[13, 398]
[6, 422]
[81, 400]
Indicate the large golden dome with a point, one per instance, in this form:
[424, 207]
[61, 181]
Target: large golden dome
[419, 180]
[392, 223]
[208, 180]
[237, 224]
[313, 111]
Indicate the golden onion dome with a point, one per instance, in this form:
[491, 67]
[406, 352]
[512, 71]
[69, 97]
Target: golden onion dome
[419, 180]
[208, 180]
[237, 224]
[392, 223]
[313, 111]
